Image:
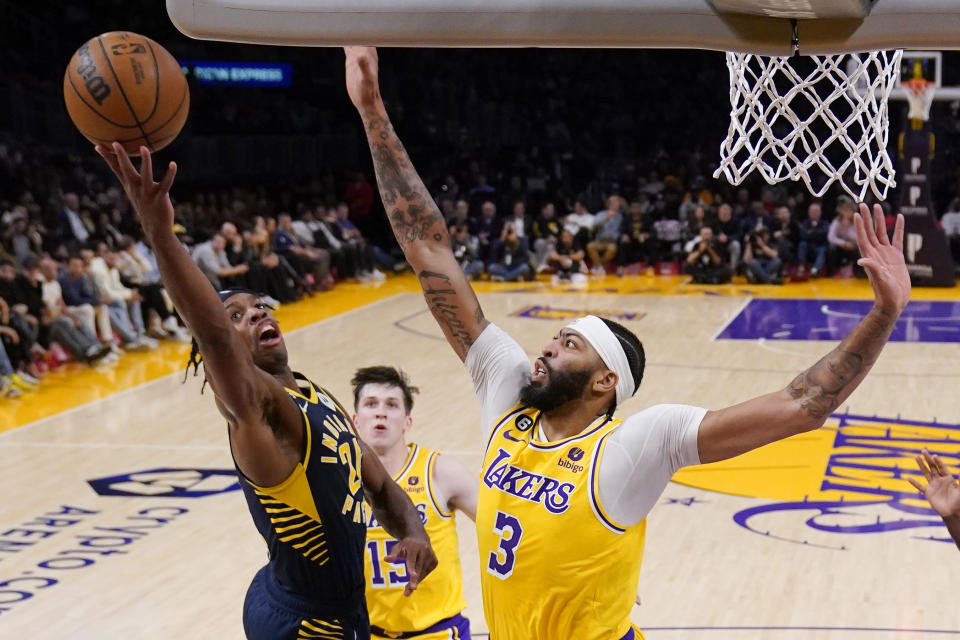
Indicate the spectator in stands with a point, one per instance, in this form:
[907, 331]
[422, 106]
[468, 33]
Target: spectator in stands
[566, 258]
[211, 257]
[20, 240]
[82, 299]
[813, 240]
[637, 241]
[785, 233]
[465, 250]
[696, 220]
[580, 222]
[135, 272]
[842, 237]
[603, 248]
[487, 229]
[761, 259]
[123, 303]
[351, 235]
[17, 352]
[65, 328]
[521, 223]
[461, 213]
[75, 230]
[25, 299]
[309, 262]
[511, 261]
[728, 236]
[705, 260]
[546, 231]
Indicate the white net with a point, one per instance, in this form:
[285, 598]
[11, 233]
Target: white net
[819, 119]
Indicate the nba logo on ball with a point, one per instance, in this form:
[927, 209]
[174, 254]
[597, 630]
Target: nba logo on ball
[523, 422]
[575, 453]
[413, 481]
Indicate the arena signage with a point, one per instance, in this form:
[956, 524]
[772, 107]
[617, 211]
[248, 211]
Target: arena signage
[244, 74]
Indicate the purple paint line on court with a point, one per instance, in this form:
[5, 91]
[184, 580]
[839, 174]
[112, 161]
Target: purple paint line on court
[789, 319]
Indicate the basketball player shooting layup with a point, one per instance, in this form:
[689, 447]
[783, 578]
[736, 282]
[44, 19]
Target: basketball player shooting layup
[565, 486]
[302, 468]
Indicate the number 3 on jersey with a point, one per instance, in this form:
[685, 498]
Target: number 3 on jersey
[502, 558]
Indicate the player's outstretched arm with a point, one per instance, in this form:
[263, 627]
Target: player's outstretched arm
[242, 389]
[396, 514]
[416, 221]
[942, 491]
[814, 394]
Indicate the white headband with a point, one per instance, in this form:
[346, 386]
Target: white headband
[607, 345]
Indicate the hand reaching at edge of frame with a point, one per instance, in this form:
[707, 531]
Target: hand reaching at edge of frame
[942, 489]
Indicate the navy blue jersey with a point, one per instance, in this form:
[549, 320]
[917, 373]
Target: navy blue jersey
[313, 521]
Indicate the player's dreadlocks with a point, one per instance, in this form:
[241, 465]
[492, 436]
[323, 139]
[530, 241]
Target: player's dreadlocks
[196, 358]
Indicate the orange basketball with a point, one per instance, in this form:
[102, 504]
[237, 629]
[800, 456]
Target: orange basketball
[124, 87]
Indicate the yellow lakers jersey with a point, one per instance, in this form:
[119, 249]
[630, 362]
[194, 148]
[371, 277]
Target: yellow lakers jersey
[553, 565]
[440, 595]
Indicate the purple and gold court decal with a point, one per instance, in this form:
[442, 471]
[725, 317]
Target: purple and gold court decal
[830, 487]
[790, 319]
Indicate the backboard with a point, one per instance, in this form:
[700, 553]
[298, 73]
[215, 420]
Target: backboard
[753, 26]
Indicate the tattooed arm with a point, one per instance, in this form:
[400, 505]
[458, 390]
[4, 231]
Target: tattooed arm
[416, 221]
[809, 399]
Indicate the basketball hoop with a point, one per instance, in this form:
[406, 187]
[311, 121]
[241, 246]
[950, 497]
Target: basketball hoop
[819, 119]
[920, 94]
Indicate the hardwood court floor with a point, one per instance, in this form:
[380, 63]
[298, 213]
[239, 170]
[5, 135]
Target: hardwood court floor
[121, 518]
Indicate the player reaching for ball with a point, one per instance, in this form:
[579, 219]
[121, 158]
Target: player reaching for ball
[942, 491]
[565, 487]
[302, 468]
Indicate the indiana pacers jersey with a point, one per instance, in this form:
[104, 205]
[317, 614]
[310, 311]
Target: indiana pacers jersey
[313, 521]
[552, 564]
[439, 597]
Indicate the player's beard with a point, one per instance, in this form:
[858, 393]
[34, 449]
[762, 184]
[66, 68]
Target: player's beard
[561, 388]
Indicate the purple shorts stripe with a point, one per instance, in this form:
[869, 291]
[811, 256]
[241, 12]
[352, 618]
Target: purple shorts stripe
[458, 622]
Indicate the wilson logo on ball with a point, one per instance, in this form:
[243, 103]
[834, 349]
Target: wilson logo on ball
[98, 89]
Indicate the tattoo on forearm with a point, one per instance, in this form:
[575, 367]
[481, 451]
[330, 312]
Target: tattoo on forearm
[442, 298]
[820, 389]
[412, 212]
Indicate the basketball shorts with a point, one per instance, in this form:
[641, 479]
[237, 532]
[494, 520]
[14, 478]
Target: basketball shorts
[272, 612]
[453, 628]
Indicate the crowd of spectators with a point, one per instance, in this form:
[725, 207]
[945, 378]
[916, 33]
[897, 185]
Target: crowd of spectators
[79, 283]
[544, 163]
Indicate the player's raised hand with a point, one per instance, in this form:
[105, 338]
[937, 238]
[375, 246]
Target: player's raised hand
[882, 259]
[363, 83]
[942, 489]
[420, 560]
[151, 200]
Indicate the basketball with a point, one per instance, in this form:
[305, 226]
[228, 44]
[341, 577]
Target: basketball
[124, 87]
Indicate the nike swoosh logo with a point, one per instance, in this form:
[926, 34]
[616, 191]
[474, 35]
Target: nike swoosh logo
[506, 434]
[304, 406]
